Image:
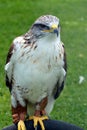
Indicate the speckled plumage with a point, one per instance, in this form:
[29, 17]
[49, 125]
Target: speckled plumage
[36, 66]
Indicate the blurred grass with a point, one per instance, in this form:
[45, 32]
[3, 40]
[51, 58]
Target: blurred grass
[15, 19]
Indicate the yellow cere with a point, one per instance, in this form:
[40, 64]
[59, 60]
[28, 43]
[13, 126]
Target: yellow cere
[54, 26]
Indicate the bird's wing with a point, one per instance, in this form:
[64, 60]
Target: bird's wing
[10, 61]
[59, 87]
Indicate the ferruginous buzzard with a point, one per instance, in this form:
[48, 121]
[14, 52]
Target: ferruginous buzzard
[36, 69]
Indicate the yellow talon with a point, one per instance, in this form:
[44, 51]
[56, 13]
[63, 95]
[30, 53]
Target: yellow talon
[21, 125]
[38, 120]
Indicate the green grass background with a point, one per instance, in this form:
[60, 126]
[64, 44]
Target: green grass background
[16, 16]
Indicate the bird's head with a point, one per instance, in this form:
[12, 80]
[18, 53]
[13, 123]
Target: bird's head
[46, 25]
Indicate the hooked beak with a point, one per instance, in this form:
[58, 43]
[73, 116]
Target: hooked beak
[56, 32]
[53, 29]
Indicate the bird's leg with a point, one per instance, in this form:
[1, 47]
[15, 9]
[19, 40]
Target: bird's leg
[19, 113]
[40, 107]
[40, 113]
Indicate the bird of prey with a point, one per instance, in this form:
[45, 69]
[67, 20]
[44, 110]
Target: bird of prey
[36, 69]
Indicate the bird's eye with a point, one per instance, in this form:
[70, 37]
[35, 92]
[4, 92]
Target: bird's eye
[42, 26]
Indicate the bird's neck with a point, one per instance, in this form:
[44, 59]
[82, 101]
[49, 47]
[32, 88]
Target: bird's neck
[49, 40]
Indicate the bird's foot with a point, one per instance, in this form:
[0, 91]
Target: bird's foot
[21, 125]
[38, 119]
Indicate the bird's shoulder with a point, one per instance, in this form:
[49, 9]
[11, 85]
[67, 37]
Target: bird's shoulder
[16, 45]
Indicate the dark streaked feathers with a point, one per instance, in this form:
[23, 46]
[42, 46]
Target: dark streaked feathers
[9, 83]
[58, 88]
[9, 53]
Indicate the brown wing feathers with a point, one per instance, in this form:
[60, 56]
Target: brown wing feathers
[9, 83]
[59, 88]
